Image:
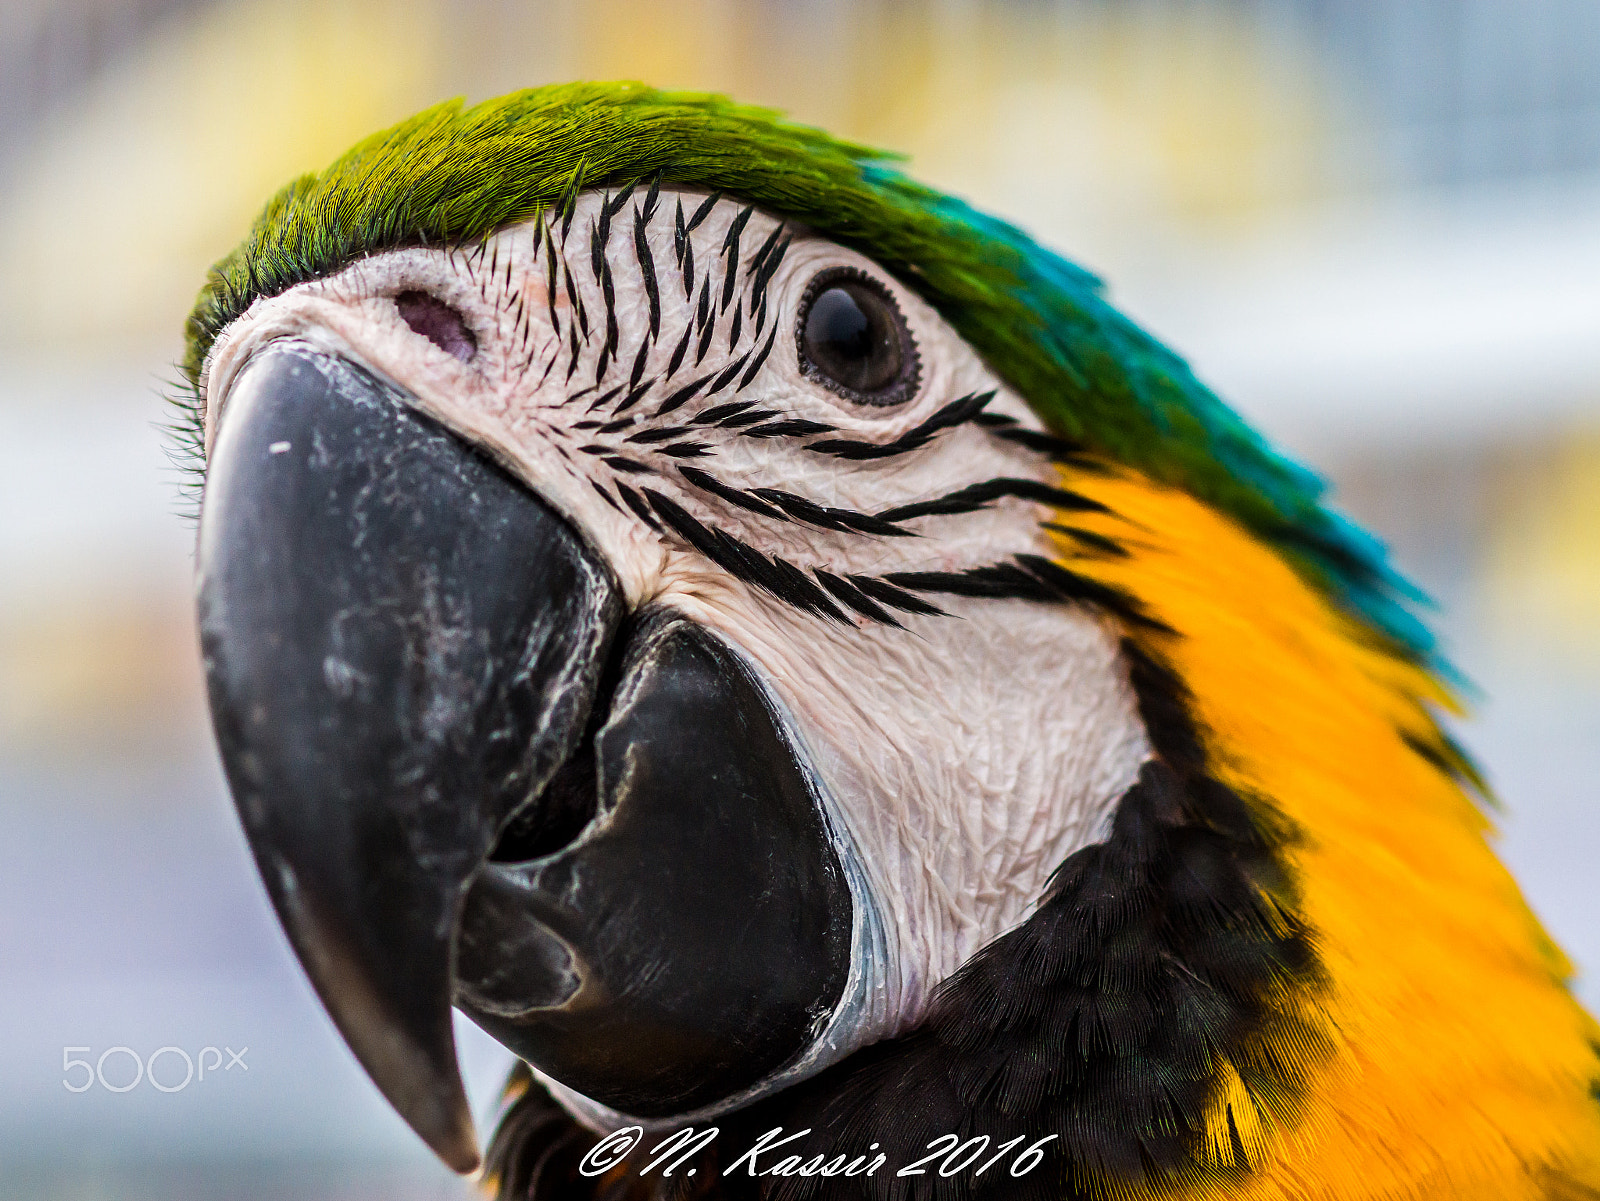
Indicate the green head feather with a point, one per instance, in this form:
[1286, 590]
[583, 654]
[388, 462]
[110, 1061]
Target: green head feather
[455, 174]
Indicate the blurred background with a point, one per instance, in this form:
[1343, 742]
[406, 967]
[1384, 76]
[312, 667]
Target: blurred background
[1373, 225]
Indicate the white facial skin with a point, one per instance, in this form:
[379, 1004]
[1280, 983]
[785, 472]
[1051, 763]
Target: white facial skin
[963, 755]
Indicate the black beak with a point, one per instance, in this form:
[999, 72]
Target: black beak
[468, 778]
[402, 646]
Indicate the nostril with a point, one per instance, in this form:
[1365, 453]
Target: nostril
[438, 322]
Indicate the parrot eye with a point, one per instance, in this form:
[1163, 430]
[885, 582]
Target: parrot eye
[436, 321]
[854, 341]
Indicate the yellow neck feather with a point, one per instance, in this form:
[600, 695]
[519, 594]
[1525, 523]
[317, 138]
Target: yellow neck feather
[1457, 1063]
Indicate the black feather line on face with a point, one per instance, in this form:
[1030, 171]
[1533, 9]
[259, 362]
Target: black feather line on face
[769, 267]
[548, 368]
[608, 294]
[981, 495]
[680, 350]
[567, 204]
[717, 412]
[651, 197]
[829, 518]
[994, 581]
[704, 211]
[774, 576]
[760, 359]
[647, 270]
[856, 599]
[793, 427]
[749, 417]
[686, 450]
[572, 350]
[1088, 540]
[550, 266]
[615, 204]
[711, 485]
[702, 310]
[1058, 450]
[609, 499]
[1030, 577]
[704, 322]
[599, 402]
[638, 365]
[683, 395]
[957, 412]
[725, 376]
[575, 303]
[635, 395]
[1072, 587]
[598, 236]
[896, 598]
[620, 463]
[758, 263]
[637, 503]
[730, 250]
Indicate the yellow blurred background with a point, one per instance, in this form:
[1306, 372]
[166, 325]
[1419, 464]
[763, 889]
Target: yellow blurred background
[1374, 225]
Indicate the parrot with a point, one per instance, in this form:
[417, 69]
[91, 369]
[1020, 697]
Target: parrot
[841, 703]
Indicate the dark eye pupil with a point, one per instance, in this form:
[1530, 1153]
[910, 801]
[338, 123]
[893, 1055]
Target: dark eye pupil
[852, 336]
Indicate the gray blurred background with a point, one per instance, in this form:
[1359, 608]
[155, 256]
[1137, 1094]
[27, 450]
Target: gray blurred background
[1374, 225]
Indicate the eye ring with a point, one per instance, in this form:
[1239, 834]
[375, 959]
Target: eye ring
[852, 338]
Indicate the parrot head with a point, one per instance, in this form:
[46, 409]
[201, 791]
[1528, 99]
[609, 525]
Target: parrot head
[762, 638]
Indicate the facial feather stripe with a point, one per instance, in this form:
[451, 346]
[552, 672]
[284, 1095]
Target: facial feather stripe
[738, 309]
[648, 406]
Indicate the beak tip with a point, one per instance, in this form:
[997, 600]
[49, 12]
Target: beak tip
[397, 1024]
[442, 1118]
[424, 1085]
[459, 1150]
[433, 1103]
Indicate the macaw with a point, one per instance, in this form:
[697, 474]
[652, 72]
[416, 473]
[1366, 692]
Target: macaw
[777, 650]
